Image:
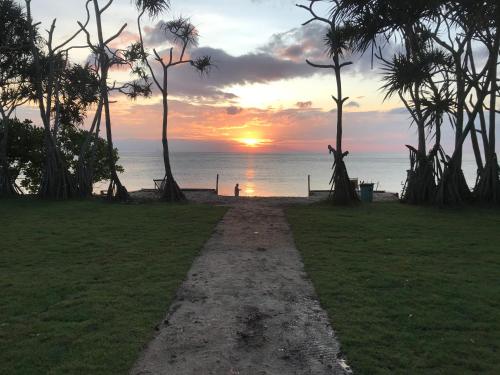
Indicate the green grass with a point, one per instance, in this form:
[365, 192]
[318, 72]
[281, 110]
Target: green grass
[82, 284]
[409, 290]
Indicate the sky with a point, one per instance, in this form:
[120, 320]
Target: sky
[260, 97]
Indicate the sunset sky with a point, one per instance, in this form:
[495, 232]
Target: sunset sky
[261, 97]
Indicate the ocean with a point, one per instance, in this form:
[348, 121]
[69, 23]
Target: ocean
[267, 174]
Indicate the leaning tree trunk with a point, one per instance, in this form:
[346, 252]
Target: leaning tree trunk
[453, 188]
[7, 186]
[488, 188]
[116, 191]
[170, 190]
[86, 158]
[342, 190]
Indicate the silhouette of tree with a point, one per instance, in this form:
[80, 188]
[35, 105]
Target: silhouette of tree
[337, 41]
[107, 57]
[49, 64]
[81, 92]
[14, 83]
[485, 20]
[180, 33]
[27, 153]
[431, 88]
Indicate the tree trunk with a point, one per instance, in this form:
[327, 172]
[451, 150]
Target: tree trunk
[488, 189]
[85, 168]
[7, 186]
[116, 191]
[57, 183]
[342, 191]
[420, 187]
[170, 190]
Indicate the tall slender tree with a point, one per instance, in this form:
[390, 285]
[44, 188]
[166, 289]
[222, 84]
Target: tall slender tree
[181, 35]
[337, 41]
[106, 58]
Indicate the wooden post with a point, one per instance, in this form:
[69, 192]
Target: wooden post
[308, 185]
[217, 185]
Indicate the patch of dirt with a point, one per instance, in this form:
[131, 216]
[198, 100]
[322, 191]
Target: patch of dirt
[247, 307]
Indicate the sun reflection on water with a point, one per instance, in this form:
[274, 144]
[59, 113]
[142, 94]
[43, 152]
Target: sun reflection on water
[249, 188]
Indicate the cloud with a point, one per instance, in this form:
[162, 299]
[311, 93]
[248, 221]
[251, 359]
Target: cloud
[287, 129]
[233, 110]
[298, 44]
[304, 105]
[282, 57]
[353, 104]
[273, 62]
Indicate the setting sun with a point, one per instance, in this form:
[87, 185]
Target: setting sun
[250, 142]
[253, 142]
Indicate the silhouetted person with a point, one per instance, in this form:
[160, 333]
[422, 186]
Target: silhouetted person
[237, 190]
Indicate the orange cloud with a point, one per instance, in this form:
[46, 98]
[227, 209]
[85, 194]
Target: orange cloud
[260, 130]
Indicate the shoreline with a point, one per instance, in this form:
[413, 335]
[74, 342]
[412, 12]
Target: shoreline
[210, 197]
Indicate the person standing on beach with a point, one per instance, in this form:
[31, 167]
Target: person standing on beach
[237, 190]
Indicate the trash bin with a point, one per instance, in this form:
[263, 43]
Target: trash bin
[367, 192]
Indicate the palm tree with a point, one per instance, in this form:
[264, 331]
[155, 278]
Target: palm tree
[180, 33]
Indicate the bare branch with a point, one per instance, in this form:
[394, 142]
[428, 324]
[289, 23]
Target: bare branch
[322, 66]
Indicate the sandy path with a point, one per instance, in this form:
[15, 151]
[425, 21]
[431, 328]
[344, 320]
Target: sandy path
[247, 307]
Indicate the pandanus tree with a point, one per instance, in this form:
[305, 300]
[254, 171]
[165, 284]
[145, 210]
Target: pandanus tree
[487, 22]
[181, 35]
[448, 27]
[414, 78]
[80, 95]
[408, 73]
[337, 41]
[107, 57]
[26, 152]
[15, 59]
[452, 29]
[49, 63]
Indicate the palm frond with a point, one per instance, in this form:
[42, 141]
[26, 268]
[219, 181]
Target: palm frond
[182, 31]
[152, 7]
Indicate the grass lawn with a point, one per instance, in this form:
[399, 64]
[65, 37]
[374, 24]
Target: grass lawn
[82, 284]
[409, 290]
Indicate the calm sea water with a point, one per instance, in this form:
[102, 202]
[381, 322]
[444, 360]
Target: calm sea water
[267, 174]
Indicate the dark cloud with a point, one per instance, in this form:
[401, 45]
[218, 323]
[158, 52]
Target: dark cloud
[282, 57]
[265, 65]
[251, 68]
[233, 110]
[304, 105]
[298, 44]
